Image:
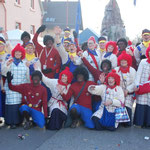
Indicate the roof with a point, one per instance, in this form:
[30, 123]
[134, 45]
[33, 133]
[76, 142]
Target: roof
[86, 34]
[56, 12]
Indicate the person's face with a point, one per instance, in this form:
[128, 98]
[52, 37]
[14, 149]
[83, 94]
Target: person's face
[64, 78]
[26, 39]
[91, 45]
[72, 48]
[123, 63]
[111, 81]
[2, 47]
[18, 55]
[146, 37]
[149, 53]
[36, 80]
[121, 45]
[66, 45]
[30, 49]
[105, 67]
[49, 43]
[102, 45]
[110, 48]
[67, 34]
[80, 78]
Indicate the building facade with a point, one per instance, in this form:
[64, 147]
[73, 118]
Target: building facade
[25, 15]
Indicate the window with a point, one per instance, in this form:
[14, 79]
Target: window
[32, 4]
[18, 25]
[32, 29]
[18, 2]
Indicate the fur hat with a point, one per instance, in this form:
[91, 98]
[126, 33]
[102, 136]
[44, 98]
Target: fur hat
[36, 73]
[92, 38]
[123, 40]
[125, 56]
[147, 51]
[115, 76]
[2, 41]
[114, 45]
[146, 31]
[101, 39]
[19, 48]
[47, 38]
[83, 71]
[67, 73]
[24, 34]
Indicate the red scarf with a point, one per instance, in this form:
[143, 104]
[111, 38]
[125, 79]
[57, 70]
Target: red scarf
[110, 87]
[62, 83]
[124, 70]
[148, 60]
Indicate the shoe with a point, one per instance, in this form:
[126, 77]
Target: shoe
[74, 124]
[27, 125]
[13, 126]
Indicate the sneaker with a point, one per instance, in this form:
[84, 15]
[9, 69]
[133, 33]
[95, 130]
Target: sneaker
[27, 125]
[13, 126]
[74, 124]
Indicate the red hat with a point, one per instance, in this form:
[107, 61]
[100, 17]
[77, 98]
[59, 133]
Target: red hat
[67, 73]
[147, 51]
[18, 48]
[125, 56]
[115, 76]
[92, 38]
[114, 45]
[129, 43]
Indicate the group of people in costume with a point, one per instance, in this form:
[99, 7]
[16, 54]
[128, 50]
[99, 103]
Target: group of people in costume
[65, 84]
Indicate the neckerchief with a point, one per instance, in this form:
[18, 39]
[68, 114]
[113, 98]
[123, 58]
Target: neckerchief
[29, 57]
[62, 83]
[72, 54]
[124, 70]
[102, 50]
[16, 61]
[107, 54]
[146, 44]
[93, 52]
[110, 87]
[2, 52]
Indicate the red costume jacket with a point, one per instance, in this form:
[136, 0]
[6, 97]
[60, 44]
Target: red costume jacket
[33, 96]
[85, 98]
[53, 60]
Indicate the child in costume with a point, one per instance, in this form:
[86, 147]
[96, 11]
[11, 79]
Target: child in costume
[20, 74]
[112, 98]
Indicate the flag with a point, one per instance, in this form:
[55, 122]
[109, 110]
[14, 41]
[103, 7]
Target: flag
[78, 17]
[134, 2]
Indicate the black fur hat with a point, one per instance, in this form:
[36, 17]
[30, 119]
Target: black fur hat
[46, 38]
[24, 34]
[37, 73]
[83, 71]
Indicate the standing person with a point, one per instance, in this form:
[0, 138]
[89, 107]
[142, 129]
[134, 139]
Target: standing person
[122, 46]
[57, 106]
[4, 49]
[66, 35]
[112, 97]
[110, 54]
[25, 38]
[127, 75]
[142, 110]
[49, 57]
[92, 55]
[82, 106]
[102, 44]
[30, 58]
[20, 75]
[34, 97]
[140, 51]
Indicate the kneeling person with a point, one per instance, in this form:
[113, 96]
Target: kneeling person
[34, 97]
